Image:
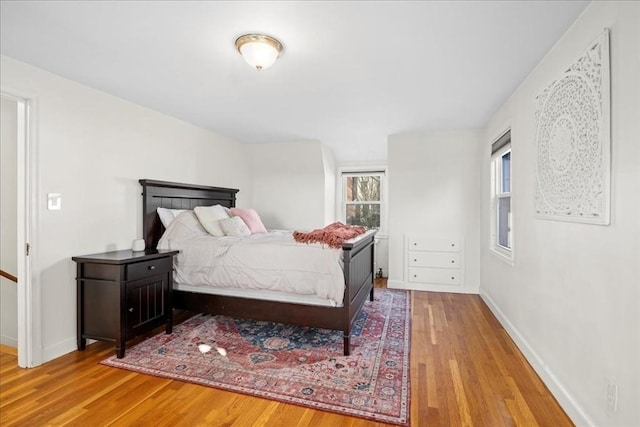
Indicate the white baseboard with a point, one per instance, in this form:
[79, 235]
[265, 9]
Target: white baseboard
[395, 284]
[429, 287]
[11, 342]
[59, 349]
[564, 398]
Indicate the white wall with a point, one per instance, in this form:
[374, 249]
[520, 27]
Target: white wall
[92, 148]
[288, 182]
[434, 190]
[8, 221]
[330, 171]
[571, 300]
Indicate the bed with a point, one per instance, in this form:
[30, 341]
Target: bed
[357, 267]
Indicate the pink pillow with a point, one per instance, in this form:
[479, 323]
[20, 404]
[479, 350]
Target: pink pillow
[251, 218]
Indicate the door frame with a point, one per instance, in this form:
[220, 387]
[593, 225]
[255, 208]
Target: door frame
[29, 291]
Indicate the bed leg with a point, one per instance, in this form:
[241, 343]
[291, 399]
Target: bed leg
[371, 295]
[347, 346]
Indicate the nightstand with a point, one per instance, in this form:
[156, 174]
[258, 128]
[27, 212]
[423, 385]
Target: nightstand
[122, 294]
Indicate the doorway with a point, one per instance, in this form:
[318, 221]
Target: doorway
[9, 223]
[20, 213]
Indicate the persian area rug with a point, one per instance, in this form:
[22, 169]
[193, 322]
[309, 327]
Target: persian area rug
[303, 366]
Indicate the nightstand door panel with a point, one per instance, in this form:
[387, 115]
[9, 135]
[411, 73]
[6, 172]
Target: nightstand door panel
[101, 320]
[146, 303]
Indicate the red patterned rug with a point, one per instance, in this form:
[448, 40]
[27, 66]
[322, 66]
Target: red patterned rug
[303, 366]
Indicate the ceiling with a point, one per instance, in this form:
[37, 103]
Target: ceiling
[352, 73]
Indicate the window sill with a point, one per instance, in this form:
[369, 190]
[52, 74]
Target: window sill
[502, 254]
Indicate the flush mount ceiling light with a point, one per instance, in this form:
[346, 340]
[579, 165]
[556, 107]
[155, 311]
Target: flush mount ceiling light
[260, 51]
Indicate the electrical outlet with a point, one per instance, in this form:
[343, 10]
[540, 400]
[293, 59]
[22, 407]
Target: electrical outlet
[611, 395]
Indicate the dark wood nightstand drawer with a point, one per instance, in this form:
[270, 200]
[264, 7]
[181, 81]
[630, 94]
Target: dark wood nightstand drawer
[140, 270]
[101, 271]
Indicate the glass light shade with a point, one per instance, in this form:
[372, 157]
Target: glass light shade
[259, 51]
[259, 55]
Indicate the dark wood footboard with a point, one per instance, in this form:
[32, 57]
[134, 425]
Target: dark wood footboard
[358, 256]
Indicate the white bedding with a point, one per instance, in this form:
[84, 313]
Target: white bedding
[271, 261]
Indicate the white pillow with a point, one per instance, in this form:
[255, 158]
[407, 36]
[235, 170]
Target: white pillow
[234, 226]
[210, 216]
[183, 227]
[168, 215]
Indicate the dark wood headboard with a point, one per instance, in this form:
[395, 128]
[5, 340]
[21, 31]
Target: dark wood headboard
[173, 195]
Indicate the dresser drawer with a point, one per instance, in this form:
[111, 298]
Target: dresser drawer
[434, 275]
[434, 259]
[140, 270]
[436, 244]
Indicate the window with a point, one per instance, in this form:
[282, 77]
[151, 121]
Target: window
[362, 198]
[502, 218]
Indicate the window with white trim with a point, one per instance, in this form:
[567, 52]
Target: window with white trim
[363, 198]
[501, 194]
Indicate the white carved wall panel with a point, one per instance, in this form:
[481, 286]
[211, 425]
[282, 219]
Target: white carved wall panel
[573, 141]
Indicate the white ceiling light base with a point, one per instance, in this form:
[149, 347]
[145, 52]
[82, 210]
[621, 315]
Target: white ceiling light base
[260, 51]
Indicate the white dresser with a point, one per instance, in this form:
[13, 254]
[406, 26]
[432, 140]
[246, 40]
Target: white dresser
[436, 261]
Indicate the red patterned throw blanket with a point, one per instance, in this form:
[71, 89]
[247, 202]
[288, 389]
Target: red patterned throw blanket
[333, 235]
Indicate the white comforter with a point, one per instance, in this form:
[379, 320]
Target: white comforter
[272, 261]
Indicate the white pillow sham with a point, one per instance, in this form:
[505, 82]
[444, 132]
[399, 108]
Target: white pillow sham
[234, 226]
[188, 224]
[210, 216]
[184, 226]
[168, 215]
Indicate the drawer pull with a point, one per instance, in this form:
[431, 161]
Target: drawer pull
[453, 262]
[152, 267]
[415, 275]
[453, 245]
[131, 310]
[453, 278]
[415, 260]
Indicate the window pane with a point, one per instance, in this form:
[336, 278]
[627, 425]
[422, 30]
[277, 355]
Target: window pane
[506, 173]
[367, 215]
[362, 188]
[504, 226]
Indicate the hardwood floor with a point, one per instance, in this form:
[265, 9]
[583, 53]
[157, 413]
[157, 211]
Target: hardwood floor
[465, 371]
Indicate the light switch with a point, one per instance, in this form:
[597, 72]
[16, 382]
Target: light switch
[54, 201]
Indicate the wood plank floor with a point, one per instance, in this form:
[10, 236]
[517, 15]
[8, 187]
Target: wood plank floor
[465, 371]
